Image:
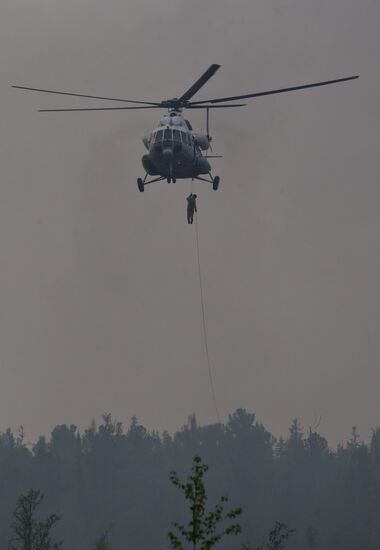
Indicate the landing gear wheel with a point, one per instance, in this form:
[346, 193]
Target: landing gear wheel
[168, 180]
[140, 185]
[174, 180]
[215, 183]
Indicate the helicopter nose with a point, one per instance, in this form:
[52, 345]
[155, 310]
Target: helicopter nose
[167, 152]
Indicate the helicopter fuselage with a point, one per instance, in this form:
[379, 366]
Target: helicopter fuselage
[174, 150]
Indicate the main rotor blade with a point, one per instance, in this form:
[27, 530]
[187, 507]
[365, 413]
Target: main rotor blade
[142, 107]
[200, 82]
[279, 91]
[100, 109]
[192, 106]
[83, 95]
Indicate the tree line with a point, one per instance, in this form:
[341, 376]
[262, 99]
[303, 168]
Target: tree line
[115, 480]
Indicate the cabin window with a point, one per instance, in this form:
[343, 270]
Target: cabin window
[168, 135]
[158, 136]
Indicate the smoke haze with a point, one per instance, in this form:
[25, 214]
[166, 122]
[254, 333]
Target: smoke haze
[99, 293]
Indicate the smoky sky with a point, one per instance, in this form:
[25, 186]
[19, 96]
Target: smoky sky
[100, 307]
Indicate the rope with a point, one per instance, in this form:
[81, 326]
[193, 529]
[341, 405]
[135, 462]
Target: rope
[205, 339]
[209, 369]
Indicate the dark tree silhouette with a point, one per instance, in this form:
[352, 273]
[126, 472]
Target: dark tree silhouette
[111, 474]
[28, 532]
[205, 529]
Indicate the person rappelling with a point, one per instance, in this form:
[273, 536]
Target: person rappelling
[191, 207]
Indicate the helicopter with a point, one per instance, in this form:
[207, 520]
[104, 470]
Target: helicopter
[174, 149]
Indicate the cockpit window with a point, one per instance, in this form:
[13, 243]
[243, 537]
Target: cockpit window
[176, 135]
[168, 135]
[159, 136]
[184, 137]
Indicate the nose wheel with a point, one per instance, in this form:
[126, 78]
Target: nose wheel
[171, 177]
[215, 183]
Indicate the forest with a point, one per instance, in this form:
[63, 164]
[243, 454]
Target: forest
[116, 480]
